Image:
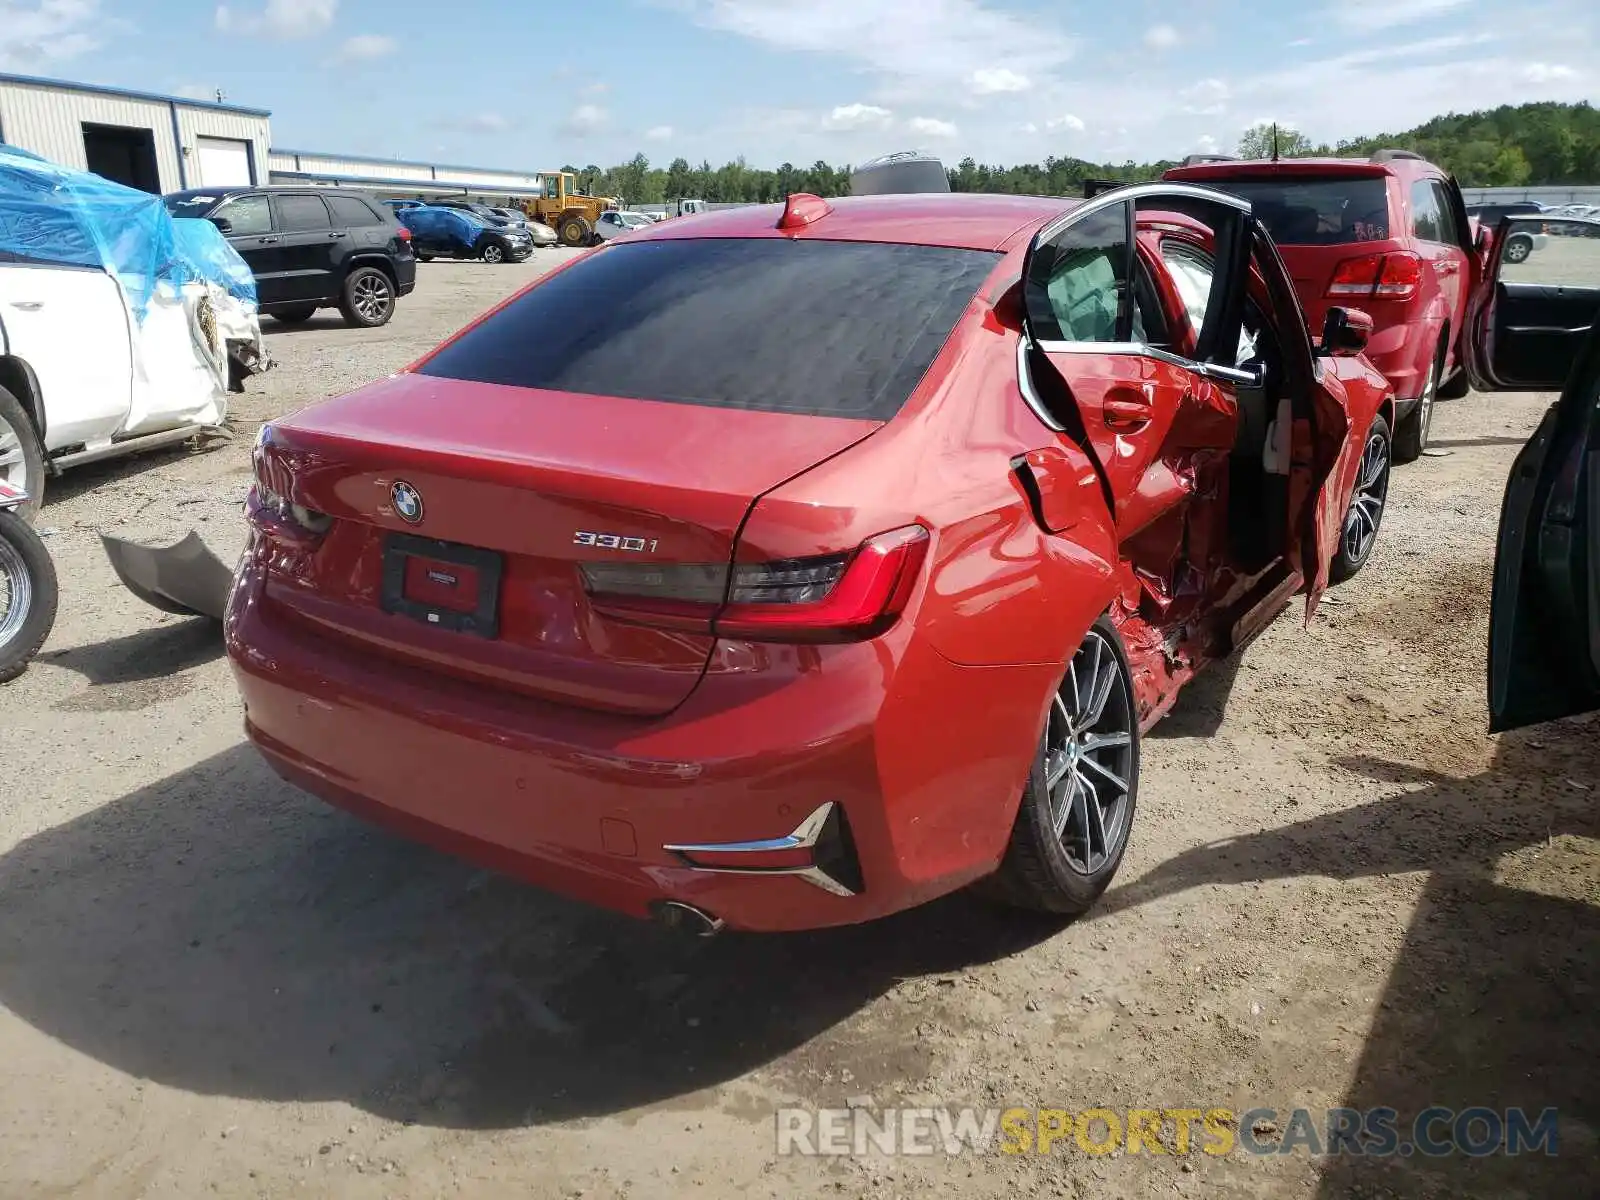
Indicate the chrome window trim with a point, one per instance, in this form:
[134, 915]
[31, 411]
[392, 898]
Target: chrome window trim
[1135, 193]
[1252, 377]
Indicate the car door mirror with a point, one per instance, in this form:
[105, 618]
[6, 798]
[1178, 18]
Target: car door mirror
[1345, 333]
[222, 223]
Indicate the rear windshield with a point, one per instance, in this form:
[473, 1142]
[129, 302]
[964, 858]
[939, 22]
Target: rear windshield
[1316, 212]
[823, 328]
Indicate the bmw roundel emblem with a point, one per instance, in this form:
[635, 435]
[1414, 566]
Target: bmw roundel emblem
[407, 502]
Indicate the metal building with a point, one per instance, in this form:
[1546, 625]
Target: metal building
[155, 143]
[400, 178]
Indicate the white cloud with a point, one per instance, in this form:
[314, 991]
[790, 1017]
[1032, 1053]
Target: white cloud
[1065, 121]
[597, 88]
[932, 127]
[659, 133]
[1206, 98]
[46, 31]
[1548, 73]
[1206, 144]
[918, 48]
[366, 46]
[285, 19]
[1161, 37]
[585, 119]
[1370, 15]
[1299, 42]
[992, 81]
[1029, 127]
[857, 116]
[484, 122]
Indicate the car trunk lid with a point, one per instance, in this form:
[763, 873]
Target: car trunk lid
[514, 489]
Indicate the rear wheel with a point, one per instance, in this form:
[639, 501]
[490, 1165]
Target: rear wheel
[1411, 433]
[1518, 249]
[368, 297]
[21, 457]
[1457, 386]
[295, 316]
[494, 252]
[1078, 804]
[1365, 514]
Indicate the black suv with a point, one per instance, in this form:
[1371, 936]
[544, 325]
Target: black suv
[311, 248]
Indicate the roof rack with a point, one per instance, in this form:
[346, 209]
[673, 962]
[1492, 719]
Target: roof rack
[1194, 160]
[1382, 156]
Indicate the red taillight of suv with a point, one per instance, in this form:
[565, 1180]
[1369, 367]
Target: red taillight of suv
[825, 598]
[1394, 276]
[403, 234]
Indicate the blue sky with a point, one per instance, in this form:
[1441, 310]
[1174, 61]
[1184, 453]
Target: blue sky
[537, 84]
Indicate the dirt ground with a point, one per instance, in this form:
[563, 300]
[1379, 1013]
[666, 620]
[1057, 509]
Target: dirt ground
[1340, 892]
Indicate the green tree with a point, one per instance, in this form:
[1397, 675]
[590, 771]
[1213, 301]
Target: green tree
[1268, 141]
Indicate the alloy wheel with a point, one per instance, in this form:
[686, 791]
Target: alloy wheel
[1371, 493]
[1089, 756]
[13, 459]
[372, 297]
[16, 592]
[492, 254]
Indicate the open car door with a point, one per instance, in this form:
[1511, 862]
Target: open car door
[1537, 305]
[1544, 624]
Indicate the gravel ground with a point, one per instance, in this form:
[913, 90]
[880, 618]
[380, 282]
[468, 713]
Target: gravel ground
[1340, 891]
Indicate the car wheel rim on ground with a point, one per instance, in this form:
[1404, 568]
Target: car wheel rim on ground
[16, 592]
[1089, 756]
[13, 459]
[1371, 493]
[372, 297]
[492, 254]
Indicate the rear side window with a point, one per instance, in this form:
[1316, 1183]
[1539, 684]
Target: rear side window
[822, 328]
[1427, 222]
[350, 212]
[1316, 212]
[301, 212]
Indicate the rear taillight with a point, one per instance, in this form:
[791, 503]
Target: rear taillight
[268, 509]
[824, 598]
[1387, 276]
[403, 234]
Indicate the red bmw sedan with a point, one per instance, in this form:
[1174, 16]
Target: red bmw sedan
[789, 566]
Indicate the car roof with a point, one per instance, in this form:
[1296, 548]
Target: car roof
[958, 219]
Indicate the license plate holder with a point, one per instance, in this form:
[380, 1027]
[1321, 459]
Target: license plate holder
[483, 620]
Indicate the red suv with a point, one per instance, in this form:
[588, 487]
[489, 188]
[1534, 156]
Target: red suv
[1388, 235]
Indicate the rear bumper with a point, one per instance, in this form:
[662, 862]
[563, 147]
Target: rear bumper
[926, 772]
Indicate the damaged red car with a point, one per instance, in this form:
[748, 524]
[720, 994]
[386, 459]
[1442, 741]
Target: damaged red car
[792, 565]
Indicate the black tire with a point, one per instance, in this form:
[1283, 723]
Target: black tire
[1457, 386]
[295, 316]
[23, 556]
[1367, 502]
[367, 298]
[18, 438]
[1518, 248]
[1413, 430]
[421, 257]
[575, 231]
[494, 252]
[1038, 871]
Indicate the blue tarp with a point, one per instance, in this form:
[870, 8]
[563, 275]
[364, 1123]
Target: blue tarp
[443, 224]
[55, 214]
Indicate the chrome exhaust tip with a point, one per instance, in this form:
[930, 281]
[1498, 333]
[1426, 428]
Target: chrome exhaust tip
[686, 918]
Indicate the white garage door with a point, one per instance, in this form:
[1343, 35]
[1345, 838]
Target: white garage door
[224, 162]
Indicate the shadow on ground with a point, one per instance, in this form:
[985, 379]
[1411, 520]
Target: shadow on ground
[153, 653]
[219, 932]
[1494, 999]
